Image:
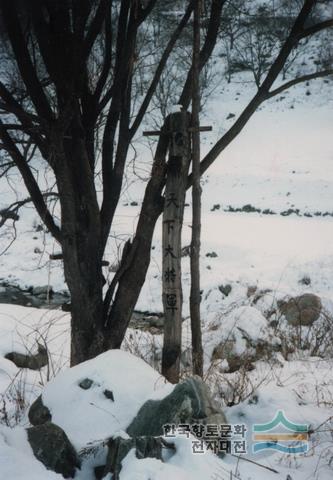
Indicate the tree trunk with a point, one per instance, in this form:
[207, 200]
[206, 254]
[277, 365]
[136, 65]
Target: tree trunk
[81, 245]
[132, 275]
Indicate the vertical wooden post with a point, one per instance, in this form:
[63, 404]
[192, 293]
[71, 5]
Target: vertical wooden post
[175, 190]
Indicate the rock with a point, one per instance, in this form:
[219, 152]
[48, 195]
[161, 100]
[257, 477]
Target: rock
[190, 402]
[34, 362]
[305, 280]
[237, 362]
[248, 208]
[225, 289]
[211, 255]
[86, 383]
[217, 206]
[34, 296]
[145, 447]
[223, 350]
[42, 296]
[302, 310]
[14, 296]
[251, 290]
[39, 413]
[155, 321]
[241, 348]
[52, 447]
[43, 290]
[108, 394]
[99, 472]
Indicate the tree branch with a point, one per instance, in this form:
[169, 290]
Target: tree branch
[107, 56]
[315, 28]
[30, 183]
[160, 68]
[295, 81]
[207, 49]
[263, 91]
[94, 28]
[144, 12]
[24, 62]
[11, 211]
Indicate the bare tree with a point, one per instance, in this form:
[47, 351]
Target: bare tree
[75, 63]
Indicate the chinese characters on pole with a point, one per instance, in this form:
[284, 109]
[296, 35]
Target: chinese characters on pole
[175, 190]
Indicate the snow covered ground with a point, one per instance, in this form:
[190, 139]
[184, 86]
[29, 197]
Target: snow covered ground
[302, 388]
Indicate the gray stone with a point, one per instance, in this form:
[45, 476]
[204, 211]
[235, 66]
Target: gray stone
[155, 321]
[224, 349]
[190, 402]
[86, 383]
[256, 350]
[211, 255]
[14, 296]
[225, 289]
[35, 297]
[108, 394]
[303, 310]
[39, 413]
[145, 447]
[52, 447]
[43, 290]
[33, 362]
[152, 322]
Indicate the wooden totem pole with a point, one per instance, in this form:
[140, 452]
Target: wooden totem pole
[175, 191]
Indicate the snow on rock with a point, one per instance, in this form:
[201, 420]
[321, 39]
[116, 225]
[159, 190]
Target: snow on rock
[17, 461]
[93, 413]
[236, 327]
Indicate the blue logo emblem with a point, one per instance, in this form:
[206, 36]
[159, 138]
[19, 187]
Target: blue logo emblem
[293, 438]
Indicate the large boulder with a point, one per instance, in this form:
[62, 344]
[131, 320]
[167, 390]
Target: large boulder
[109, 389]
[303, 310]
[190, 402]
[52, 447]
